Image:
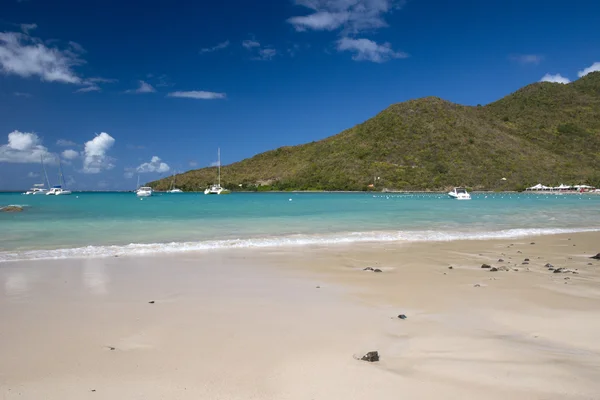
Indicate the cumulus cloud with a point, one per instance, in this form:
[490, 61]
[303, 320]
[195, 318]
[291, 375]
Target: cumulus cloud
[527, 58]
[23, 147]
[220, 46]
[592, 68]
[557, 78]
[368, 50]
[26, 56]
[144, 87]
[198, 94]
[352, 16]
[155, 165]
[70, 154]
[95, 158]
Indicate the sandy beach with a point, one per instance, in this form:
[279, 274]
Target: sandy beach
[290, 323]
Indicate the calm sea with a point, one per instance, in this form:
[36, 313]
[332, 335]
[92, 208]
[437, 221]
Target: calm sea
[105, 224]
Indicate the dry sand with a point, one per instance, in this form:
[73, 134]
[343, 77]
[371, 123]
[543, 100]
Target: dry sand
[288, 323]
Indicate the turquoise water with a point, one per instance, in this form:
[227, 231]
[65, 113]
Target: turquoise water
[117, 223]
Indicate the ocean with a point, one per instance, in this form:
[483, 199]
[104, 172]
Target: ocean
[108, 224]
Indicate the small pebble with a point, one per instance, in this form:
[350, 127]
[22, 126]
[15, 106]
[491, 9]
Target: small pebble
[402, 316]
[151, 302]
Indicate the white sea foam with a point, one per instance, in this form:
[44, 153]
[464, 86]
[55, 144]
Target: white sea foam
[281, 241]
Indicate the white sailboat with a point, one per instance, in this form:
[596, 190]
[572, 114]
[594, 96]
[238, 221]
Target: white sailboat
[38, 188]
[144, 191]
[217, 189]
[58, 190]
[173, 188]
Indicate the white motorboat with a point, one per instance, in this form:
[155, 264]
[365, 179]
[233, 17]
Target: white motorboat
[459, 193]
[144, 191]
[175, 191]
[216, 188]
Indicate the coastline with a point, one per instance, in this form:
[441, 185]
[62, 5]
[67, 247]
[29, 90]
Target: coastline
[287, 323]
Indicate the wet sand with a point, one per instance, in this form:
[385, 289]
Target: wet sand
[290, 323]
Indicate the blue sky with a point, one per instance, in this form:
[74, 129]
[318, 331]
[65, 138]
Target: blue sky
[117, 89]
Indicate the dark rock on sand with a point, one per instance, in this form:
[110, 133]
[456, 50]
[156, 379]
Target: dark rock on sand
[527, 259]
[402, 316]
[451, 267]
[371, 356]
[493, 269]
[377, 270]
[549, 265]
[525, 263]
[500, 260]
[151, 302]
[532, 243]
[486, 266]
[477, 285]
[368, 269]
[11, 209]
[596, 257]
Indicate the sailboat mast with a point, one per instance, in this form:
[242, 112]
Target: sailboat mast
[45, 173]
[61, 179]
[219, 163]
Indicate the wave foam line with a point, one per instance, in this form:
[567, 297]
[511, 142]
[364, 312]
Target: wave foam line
[284, 241]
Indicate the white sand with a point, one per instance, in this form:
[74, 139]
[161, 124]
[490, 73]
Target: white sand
[254, 325]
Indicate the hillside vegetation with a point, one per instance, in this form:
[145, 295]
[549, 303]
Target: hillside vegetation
[544, 132]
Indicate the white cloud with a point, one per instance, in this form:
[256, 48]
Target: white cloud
[249, 44]
[25, 56]
[33, 175]
[368, 50]
[193, 163]
[558, 78]
[90, 88]
[592, 68]
[266, 54]
[261, 52]
[155, 165]
[198, 94]
[352, 16]
[527, 58]
[26, 28]
[144, 87]
[23, 147]
[23, 94]
[219, 46]
[70, 154]
[95, 158]
[65, 143]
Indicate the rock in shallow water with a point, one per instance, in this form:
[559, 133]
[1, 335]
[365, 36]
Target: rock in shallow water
[371, 356]
[11, 209]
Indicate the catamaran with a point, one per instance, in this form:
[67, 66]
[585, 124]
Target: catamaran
[58, 190]
[38, 188]
[216, 188]
[459, 193]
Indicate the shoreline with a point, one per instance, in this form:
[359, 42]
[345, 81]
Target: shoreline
[289, 324]
[283, 243]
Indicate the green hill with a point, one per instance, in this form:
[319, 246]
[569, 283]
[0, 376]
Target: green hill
[544, 132]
